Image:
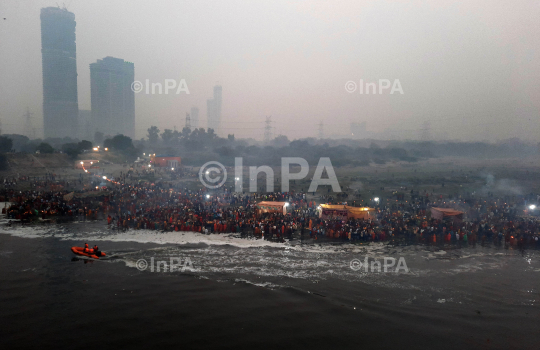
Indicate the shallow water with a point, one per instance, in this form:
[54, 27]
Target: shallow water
[240, 292]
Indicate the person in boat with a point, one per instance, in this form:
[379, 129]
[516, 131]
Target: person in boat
[96, 251]
[86, 249]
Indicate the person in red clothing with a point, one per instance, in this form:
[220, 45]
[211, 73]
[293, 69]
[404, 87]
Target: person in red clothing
[96, 250]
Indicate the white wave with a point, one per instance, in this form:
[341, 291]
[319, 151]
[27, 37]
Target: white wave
[139, 236]
[74, 233]
[263, 284]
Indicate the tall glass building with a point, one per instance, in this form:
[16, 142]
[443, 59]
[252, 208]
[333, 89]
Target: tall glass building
[213, 110]
[58, 53]
[112, 99]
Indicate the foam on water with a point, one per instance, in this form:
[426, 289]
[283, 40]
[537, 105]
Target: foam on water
[72, 232]
[246, 260]
[138, 236]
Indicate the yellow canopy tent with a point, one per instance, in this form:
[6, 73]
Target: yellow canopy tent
[345, 212]
[272, 207]
[446, 213]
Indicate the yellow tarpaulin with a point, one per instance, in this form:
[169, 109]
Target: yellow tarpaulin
[344, 212]
[272, 207]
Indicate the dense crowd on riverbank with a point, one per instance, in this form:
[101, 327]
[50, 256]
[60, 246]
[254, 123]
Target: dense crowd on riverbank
[154, 207]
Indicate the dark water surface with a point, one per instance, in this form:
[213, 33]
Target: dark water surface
[251, 295]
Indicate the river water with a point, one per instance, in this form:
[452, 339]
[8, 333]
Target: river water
[243, 293]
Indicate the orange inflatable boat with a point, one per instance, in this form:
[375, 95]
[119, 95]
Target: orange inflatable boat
[90, 254]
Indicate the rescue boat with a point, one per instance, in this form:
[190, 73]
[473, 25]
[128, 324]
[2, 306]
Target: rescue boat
[90, 254]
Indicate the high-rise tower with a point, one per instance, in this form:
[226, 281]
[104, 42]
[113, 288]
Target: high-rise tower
[58, 56]
[194, 117]
[214, 110]
[112, 99]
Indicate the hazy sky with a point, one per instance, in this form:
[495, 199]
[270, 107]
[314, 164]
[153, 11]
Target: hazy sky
[471, 68]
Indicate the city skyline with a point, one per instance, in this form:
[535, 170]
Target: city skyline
[292, 62]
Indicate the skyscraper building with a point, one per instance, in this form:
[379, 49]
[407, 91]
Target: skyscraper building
[194, 117]
[58, 57]
[214, 110]
[112, 99]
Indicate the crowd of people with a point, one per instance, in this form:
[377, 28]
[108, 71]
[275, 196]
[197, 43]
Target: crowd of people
[159, 207]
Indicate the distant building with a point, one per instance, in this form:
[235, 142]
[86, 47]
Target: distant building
[214, 110]
[112, 99]
[58, 57]
[165, 161]
[194, 117]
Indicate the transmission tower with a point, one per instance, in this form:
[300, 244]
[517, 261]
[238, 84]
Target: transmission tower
[188, 121]
[321, 130]
[30, 132]
[268, 129]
